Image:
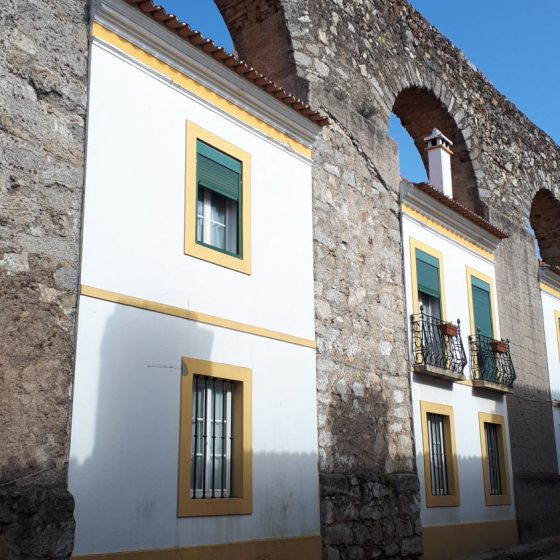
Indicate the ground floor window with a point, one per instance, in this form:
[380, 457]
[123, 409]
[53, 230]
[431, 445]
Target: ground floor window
[215, 442]
[494, 459]
[440, 457]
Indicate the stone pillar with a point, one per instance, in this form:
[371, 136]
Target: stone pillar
[43, 81]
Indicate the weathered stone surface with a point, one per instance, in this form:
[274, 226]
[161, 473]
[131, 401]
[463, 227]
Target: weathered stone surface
[359, 61]
[43, 66]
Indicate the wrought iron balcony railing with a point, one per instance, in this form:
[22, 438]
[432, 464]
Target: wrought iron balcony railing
[437, 344]
[491, 360]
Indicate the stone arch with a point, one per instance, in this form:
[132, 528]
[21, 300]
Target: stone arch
[420, 111]
[261, 38]
[545, 221]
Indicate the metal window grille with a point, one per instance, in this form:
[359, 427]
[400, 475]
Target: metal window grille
[212, 437]
[493, 454]
[438, 462]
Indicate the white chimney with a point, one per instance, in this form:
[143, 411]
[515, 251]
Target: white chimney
[439, 161]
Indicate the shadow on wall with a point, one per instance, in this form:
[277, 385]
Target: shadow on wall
[125, 448]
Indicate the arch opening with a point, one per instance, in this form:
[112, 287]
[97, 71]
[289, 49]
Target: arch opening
[419, 112]
[545, 222]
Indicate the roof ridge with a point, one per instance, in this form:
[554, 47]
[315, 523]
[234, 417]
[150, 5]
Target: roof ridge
[186, 32]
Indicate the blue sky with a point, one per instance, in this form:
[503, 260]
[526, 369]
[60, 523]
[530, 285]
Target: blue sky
[514, 43]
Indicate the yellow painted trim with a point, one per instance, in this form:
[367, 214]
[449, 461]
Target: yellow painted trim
[191, 247]
[190, 85]
[442, 542]
[505, 498]
[190, 315]
[557, 320]
[242, 460]
[437, 227]
[453, 499]
[493, 306]
[550, 290]
[415, 244]
[289, 548]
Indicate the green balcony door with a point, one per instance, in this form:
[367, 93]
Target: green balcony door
[482, 307]
[482, 311]
[429, 293]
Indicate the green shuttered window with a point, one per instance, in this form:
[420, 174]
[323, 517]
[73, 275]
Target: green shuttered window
[482, 307]
[427, 270]
[218, 178]
[217, 171]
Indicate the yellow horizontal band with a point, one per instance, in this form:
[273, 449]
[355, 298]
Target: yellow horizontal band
[550, 290]
[190, 315]
[188, 84]
[302, 548]
[436, 226]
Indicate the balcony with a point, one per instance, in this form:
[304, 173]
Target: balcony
[437, 347]
[491, 363]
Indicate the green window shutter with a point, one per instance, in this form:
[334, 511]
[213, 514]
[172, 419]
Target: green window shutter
[481, 307]
[427, 272]
[217, 171]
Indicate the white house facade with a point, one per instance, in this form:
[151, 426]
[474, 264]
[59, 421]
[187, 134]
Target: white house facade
[194, 415]
[550, 295]
[461, 370]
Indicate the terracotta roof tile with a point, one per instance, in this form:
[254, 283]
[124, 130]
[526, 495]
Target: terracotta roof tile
[159, 14]
[460, 209]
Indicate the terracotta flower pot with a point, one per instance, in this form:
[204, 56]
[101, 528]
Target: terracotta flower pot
[448, 329]
[499, 347]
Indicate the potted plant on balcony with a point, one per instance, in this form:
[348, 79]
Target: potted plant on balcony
[448, 329]
[499, 346]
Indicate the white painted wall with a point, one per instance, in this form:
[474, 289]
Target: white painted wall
[125, 424]
[466, 401]
[134, 205]
[551, 305]
[125, 432]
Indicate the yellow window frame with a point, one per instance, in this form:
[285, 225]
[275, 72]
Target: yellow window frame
[415, 244]
[453, 498]
[491, 499]
[557, 322]
[240, 263]
[242, 454]
[472, 272]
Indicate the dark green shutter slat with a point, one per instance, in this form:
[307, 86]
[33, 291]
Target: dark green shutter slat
[482, 309]
[480, 284]
[427, 272]
[218, 172]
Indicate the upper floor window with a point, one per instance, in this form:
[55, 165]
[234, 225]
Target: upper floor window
[217, 201]
[218, 179]
[482, 306]
[429, 293]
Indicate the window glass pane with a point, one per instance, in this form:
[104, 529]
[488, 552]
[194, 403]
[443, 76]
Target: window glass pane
[492, 432]
[211, 438]
[436, 444]
[200, 215]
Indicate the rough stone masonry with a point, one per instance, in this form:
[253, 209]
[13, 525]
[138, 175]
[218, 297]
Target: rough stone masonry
[358, 61]
[43, 93]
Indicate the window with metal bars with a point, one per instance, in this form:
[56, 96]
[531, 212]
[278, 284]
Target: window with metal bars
[212, 438]
[438, 460]
[493, 437]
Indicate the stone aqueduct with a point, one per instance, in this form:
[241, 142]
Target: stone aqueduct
[358, 62]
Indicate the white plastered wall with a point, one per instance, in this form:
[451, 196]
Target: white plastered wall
[125, 425]
[551, 306]
[466, 401]
[134, 205]
[125, 432]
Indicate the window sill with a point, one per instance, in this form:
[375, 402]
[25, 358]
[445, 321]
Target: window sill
[443, 501]
[216, 506]
[439, 373]
[497, 387]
